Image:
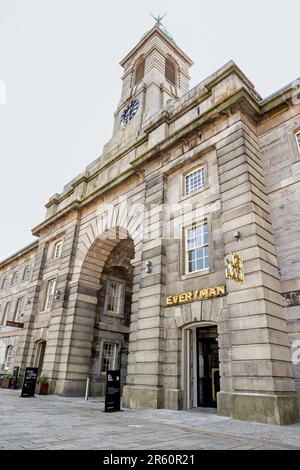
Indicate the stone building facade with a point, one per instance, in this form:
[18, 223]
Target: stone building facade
[129, 266]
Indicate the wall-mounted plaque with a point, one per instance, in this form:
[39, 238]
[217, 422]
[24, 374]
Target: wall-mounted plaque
[14, 324]
[113, 391]
[29, 384]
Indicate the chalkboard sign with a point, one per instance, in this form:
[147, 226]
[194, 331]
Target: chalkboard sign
[113, 391]
[28, 389]
[14, 380]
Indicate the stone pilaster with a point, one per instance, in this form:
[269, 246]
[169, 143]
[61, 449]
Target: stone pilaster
[262, 377]
[145, 378]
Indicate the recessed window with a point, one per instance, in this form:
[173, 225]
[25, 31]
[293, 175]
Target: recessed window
[15, 278]
[114, 297]
[197, 248]
[19, 308]
[26, 274]
[108, 357]
[57, 250]
[170, 71]
[6, 313]
[298, 140]
[4, 283]
[194, 180]
[50, 294]
[139, 71]
[8, 358]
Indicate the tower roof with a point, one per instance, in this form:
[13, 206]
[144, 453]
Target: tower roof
[159, 29]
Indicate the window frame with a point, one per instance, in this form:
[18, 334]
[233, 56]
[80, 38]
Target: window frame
[174, 64]
[4, 283]
[186, 175]
[122, 283]
[27, 269]
[297, 137]
[187, 250]
[15, 278]
[57, 244]
[18, 312]
[114, 345]
[6, 312]
[139, 61]
[9, 349]
[47, 295]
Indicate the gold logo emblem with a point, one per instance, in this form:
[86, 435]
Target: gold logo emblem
[235, 268]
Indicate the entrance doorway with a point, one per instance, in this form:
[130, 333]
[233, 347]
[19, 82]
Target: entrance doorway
[208, 373]
[201, 369]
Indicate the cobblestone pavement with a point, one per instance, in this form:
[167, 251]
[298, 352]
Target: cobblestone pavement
[53, 422]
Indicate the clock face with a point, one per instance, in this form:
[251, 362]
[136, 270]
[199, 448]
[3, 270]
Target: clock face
[129, 112]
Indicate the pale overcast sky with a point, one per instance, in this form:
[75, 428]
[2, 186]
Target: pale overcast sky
[59, 64]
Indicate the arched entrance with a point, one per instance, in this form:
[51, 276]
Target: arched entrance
[99, 312]
[113, 310]
[201, 369]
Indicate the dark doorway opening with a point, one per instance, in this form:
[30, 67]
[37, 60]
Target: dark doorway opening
[208, 368]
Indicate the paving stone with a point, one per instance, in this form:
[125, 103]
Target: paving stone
[69, 423]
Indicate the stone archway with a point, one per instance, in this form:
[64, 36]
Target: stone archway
[82, 312]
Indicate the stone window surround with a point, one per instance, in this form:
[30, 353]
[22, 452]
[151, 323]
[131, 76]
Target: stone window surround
[18, 313]
[4, 283]
[58, 245]
[122, 300]
[8, 357]
[137, 63]
[6, 312]
[182, 247]
[171, 60]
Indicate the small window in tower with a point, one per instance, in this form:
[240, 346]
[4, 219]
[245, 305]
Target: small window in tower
[139, 71]
[170, 71]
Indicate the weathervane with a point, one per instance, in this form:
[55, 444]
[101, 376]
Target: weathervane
[158, 19]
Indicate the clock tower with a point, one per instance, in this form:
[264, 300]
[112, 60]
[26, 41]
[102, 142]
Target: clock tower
[156, 71]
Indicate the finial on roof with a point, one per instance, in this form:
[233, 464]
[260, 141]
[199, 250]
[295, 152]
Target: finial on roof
[158, 23]
[158, 19]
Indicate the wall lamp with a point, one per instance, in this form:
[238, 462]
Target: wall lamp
[57, 295]
[148, 267]
[237, 235]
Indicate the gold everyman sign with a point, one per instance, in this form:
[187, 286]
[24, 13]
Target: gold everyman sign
[235, 268]
[201, 294]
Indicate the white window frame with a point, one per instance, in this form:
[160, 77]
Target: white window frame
[26, 273]
[8, 355]
[203, 245]
[187, 191]
[6, 312]
[297, 137]
[19, 308]
[113, 358]
[57, 250]
[50, 295]
[121, 282]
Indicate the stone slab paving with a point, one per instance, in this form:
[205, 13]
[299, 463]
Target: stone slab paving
[53, 422]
